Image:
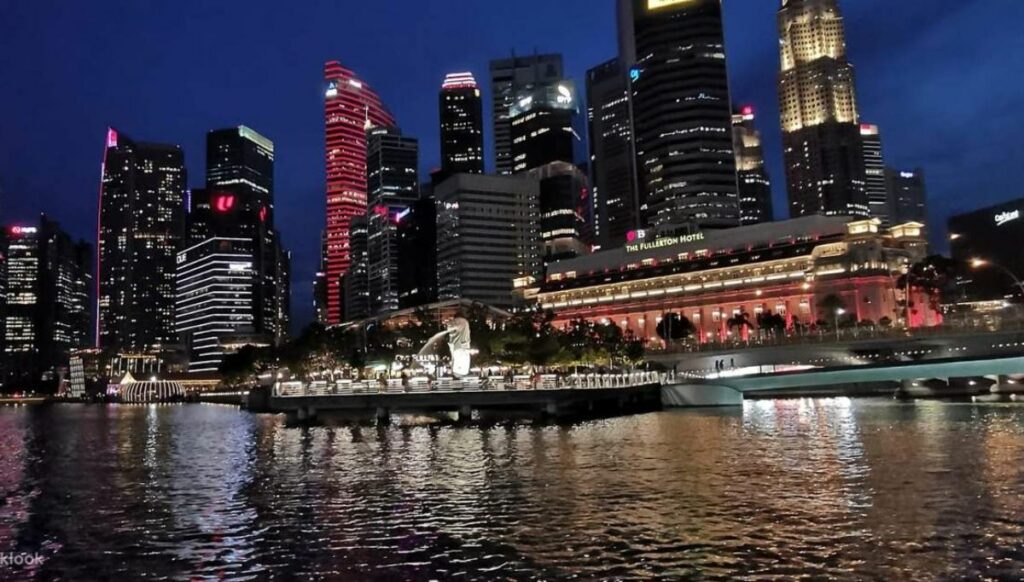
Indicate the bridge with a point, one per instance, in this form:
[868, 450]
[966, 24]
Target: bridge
[986, 377]
[549, 395]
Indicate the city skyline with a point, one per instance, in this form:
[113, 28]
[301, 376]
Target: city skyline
[927, 127]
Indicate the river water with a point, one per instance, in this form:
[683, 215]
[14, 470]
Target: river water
[838, 488]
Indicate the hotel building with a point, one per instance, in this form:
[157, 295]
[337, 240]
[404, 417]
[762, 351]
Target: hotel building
[785, 268]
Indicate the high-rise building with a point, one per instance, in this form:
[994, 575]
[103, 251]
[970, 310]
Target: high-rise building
[993, 235]
[907, 196]
[351, 107]
[240, 160]
[48, 308]
[392, 167]
[216, 290]
[874, 173]
[509, 77]
[417, 254]
[565, 213]
[141, 228]
[462, 125]
[820, 129]
[238, 202]
[755, 187]
[542, 118]
[320, 285]
[355, 283]
[612, 158]
[487, 237]
[682, 116]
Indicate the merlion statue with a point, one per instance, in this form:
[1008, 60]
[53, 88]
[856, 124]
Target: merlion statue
[458, 343]
[457, 333]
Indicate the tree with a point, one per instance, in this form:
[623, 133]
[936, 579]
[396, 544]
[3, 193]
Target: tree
[935, 276]
[772, 323]
[739, 321]
[675, 327]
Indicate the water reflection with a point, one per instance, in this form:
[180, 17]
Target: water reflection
[819, 488]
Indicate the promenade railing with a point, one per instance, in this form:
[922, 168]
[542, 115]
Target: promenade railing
[764, 339]
[418, 385]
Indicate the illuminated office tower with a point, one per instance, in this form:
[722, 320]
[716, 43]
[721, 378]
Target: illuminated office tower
[488, 242]
[907, 196]
[48, 307]
[238, 202]
[509, 77]
[820, 128]
[542, 131]
[682, 116]
[564, 211]
[755, 187]
[355, 283]
[874, 173]
[216, 285]
[141, 229]
[351, 107]
[462, 125]
[392, 167]
[612, 159]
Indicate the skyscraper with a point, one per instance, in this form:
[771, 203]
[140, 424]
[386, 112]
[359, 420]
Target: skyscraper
[508, 77]
[417, 254]
[351, 107]
[48, 311]
[462, 125]
[141, 228]
[755, 187]
[392, 166]
[487, 237]
[216, 291]
[682, 115]
[874, 173]
[612, 158]
[238, 202]
[820, 130]
[541, 119]
[355, 283]
[564, 211]
[907, 196]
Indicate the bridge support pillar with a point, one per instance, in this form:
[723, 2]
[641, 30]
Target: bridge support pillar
[383, 416]
[466, 414]
[699, 396]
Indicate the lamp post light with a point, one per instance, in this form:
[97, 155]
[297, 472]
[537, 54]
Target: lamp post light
[978, 263]
[839, 313]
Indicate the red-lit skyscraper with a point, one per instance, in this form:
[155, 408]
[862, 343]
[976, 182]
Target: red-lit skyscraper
[350, 108]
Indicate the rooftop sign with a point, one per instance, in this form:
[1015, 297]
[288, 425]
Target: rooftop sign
[664, 242]
[1007, 217]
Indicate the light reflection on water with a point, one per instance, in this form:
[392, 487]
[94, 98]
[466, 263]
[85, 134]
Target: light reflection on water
[814, 488]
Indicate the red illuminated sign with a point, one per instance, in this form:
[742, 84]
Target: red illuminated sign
[224, 203]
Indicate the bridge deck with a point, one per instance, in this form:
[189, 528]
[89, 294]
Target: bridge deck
[947, 369]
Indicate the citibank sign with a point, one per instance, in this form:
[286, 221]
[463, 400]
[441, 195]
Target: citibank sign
[1007, 217]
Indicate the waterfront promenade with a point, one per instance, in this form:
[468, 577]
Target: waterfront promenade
[551, 395]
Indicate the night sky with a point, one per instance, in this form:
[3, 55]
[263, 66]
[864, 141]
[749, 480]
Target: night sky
[943, 78]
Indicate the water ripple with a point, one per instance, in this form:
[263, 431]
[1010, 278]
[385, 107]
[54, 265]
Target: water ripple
[803, 489]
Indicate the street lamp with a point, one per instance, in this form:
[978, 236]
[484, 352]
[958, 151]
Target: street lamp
[978, 263]
[839, 313]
